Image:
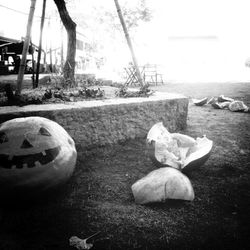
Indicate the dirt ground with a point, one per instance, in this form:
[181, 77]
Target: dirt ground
[98, 198]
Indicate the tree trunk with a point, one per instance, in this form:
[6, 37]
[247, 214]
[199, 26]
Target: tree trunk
[50, 49]
[40, 44]
[62, 49]
[138, 73]
[70, 26]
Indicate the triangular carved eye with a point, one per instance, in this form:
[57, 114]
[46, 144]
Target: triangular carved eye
[44, 131]
[3, 137]
[26, 144]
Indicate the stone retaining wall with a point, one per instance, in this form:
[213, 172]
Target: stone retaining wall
[101, 122]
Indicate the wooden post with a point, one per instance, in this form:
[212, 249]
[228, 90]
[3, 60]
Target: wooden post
[33, 70]
[25, 48]
[45, 59]
[138, 73]
[50, 59]
[50, 47]
[56, 60]
[40, 44]
[62, 47]
[33, 65]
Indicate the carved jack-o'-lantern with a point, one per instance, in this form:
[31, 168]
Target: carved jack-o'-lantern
[36, 154]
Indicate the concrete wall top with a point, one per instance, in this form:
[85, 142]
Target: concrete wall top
[157, 96]
[101, 122]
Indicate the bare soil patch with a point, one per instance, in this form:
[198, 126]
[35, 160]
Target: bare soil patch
[98, 198]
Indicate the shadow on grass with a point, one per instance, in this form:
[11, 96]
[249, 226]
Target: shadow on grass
[169, 204]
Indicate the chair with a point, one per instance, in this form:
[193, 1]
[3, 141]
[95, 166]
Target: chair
[151, 74]
[132, 78]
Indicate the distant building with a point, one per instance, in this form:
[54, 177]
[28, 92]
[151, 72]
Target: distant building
[11, 53]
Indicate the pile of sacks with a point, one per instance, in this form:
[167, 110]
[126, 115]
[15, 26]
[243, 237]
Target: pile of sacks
[223, 102]
[175, 154]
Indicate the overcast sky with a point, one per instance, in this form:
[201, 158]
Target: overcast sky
[224, 22]
[178, 17]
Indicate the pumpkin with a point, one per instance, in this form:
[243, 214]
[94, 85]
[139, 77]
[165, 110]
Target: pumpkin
[223, 98]
[176, 150]
[212, 100]
[237, 106]
[221, 105]
[162, 184]
[200, 102]
[36, 154]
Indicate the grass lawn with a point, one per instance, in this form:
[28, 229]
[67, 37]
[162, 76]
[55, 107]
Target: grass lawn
[98, 198]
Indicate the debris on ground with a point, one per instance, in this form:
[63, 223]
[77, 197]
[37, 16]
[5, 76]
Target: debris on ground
[176, 150]
[238, 106]
[174, 153]
[81, 244]
[223, 102]
[54, 94]
[222, 105]
[200, 102]
[223, 98]
[163, 184]
[43, 95]
[211, 100]
[144, 91]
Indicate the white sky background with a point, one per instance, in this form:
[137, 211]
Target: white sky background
[201, 59]
[220, 57]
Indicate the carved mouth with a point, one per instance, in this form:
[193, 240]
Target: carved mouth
[29, 161]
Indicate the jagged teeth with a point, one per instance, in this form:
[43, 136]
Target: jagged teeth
[37, 164]
[43, 152]
[25, 165]
[13, 166]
